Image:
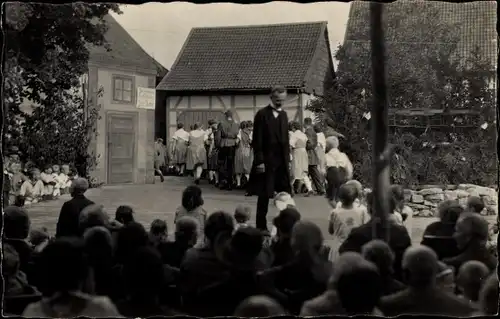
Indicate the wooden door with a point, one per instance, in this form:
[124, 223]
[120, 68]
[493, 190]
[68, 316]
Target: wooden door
[121, 148]
[189, 117]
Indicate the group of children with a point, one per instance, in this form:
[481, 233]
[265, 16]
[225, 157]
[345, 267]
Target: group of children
[23, 187]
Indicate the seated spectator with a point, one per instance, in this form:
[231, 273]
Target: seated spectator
[48, 183]
[65, 179]
[470, 279]
[69, 217]
[381, 255]
[439, 235]
[186, 234]
[339, 169]
[281, 201]
[422, 296]
[399, 239]
[357, 301]
[488, 296]
[56, 171]
[144, 277]
[93, 215]
[259, 307]
[158, 232]
[400, 207]
[192, 205]
[98, 247]
[130, 238]
[241, 216]
[200, 266]
[329, 303]
[15, 281]
[124, 214]
[241, 253]
[445, 278]
[345, 217]
[471, 236]
[475, 204]
[17, 178]
[32, 189]
[7, 183]
[281, 247]
[309, 267]
[16, 229]
[360, 195]
[64, 269]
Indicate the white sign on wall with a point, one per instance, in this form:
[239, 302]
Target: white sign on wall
[146, 98]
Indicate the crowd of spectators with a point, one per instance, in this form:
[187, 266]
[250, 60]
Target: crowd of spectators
[217, 264]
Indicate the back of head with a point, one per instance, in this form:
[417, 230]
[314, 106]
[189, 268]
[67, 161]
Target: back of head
[91, 216]
[247, 240]
[420, 264]
[242, 214]
[192, 197]
[286, 219]
[130, 238]
[98, 243]
[475, 204]
[259, 306]
[380, 254]
[124, 214]
[186, 229]
[471, 276]
[347, 194]
[488, 296]
[144, 273]
[308, 121]
[79, 186]
[353, 299]
[317, 128]
[449, 211]
[344, 262]
[217, 223]
[474, 226]
[397, 192]
[16, 223]
[228, 114]
[357, 185]
[306, 238]
[332, 142]
[63, 265]
[158, 227]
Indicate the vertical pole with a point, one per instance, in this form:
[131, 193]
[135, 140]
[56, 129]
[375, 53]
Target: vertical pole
[381, 169]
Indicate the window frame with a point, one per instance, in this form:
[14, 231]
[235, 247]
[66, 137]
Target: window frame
[132, 92]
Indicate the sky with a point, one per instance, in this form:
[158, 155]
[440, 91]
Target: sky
[162, 28]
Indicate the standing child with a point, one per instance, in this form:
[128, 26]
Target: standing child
[192, 206]
[65, 179]
[402, 213]
[242, 216]
[48, 183]
[158, 232]
[56, 171]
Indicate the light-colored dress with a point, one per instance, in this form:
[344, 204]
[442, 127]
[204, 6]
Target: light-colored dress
[300, 161]
[48, 182]
[320, 150]
[32, 191]
[243, 157]
[181, 138]
[196, 152]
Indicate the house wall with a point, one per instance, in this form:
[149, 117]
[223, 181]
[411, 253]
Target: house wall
[102, 77]
[244, 107]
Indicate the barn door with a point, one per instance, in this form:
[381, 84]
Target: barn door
[121, 148]
[190, 117]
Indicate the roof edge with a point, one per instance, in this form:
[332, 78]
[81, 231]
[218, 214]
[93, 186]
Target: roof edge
[257, 25]
[315, 54]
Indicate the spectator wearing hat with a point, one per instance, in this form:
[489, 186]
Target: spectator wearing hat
[64, 268]
[471, 236]
[281, 247]
[439, 235]
[423, 296]
[259, 307]
[67, 223]
[381, 255]
[358, 236]
[309, 267]
[227, 138]
[186, 236]
[16, 229]
[470, 279]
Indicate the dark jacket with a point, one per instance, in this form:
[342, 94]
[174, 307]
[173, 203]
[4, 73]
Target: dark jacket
[399, 241]
[312, 143]
[67, 224]
[476, 252]
[433, 302]
[172, 253]
[439, 237]
[227, 133]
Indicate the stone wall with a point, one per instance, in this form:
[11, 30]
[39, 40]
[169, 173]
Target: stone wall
[425, 201]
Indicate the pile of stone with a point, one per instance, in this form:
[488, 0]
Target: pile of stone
[425, 201]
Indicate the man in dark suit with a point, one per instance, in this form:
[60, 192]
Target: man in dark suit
[423, 297]
[68, 222]
[271, 153]
[226, 140]
[312, 155]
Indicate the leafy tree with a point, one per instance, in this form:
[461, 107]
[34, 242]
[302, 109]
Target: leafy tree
[423, 71]
[46, 53]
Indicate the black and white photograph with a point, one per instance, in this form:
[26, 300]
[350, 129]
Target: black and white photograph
[250, 160]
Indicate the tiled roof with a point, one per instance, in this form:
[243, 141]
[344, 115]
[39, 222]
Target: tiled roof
[246, 57]
[474, 23]
[125, 51]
